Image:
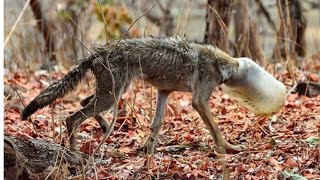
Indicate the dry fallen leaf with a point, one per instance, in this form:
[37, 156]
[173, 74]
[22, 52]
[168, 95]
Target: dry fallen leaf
[185, 148]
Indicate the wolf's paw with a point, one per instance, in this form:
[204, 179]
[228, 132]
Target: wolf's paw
[231, 149]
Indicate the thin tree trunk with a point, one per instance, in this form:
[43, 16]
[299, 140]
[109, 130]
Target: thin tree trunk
[280, 49]
[217, 23]
[45, 27]
[299, 24]
[254, 44]
[291, 30]
[267, 15]
[246, 37]
[164, 21]
[241, 28]
[72, 23]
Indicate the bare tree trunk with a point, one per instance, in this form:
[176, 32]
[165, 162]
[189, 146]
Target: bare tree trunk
[45, 27]
[163, 21]
[254, 44]
[246, 37]
[291, 30]
[217, 22]
[241, 28]
[166, 20]
[72, 15]
[266, 14]
[299, 24]
[280, 49]
[74, 11]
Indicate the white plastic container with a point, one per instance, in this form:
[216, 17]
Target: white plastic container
[255, 88]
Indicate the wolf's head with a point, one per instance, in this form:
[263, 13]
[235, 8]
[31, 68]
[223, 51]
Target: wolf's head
[255, 88]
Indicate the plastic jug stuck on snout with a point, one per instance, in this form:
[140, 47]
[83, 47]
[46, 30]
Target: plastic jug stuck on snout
[255, 88]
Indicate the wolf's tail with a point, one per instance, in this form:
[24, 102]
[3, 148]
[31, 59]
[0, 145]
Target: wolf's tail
[58, 89]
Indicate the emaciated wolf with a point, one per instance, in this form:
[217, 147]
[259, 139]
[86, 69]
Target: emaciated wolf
[169, 64]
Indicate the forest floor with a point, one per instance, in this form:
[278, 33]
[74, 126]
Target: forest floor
[286, 145]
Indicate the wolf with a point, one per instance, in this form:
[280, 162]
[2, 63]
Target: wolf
[169, 64]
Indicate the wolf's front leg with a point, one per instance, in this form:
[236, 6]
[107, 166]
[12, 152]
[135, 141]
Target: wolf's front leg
[200, 100]
[223, 146]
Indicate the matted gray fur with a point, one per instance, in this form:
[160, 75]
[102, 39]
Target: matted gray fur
[169, 64]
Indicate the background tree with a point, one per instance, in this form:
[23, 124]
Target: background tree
[291, 30]
[246, 37]
[217, 22]
[45, 27]
[164, 21]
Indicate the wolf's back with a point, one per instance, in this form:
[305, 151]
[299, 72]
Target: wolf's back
[58, 89]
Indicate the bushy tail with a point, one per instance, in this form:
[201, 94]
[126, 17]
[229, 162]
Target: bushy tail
[58, 89]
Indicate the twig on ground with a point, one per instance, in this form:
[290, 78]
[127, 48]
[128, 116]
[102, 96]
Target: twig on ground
[20, 170]
[292, 89]
[51, 108]
[54, 167]
[60, 163]
[159, 165]
[95, 170]
[131, 106]
[264, 131]
[128, 113]
[34, 126]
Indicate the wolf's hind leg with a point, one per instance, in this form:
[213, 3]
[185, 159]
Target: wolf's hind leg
[157, 120]
[103, 100]
[95, 106]
[104, 124]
